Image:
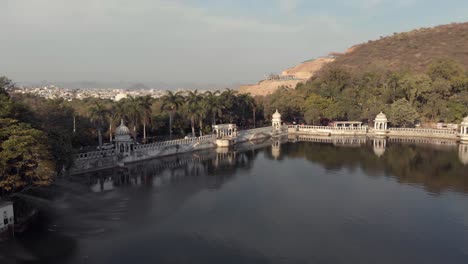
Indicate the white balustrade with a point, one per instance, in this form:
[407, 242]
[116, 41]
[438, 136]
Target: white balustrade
[423, 130]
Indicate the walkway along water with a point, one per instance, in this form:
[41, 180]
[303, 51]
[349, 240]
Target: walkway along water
[227, 135]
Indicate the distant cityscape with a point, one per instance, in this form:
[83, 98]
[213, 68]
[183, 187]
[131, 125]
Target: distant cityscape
[69, 94]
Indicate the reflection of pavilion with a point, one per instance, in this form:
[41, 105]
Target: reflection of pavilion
[344, 141]
[464, 130]
[463, 153]
[276, 146]
[379, 145]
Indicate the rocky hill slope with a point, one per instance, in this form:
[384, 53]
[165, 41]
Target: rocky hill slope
[413, 50]
[296, 74]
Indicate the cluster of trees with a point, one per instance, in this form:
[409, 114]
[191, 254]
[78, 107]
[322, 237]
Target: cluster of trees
[342, 93]
[38, 136]
[26, 159]
[173, 115]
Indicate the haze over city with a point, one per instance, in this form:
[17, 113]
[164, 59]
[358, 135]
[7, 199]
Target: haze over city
[193, 42]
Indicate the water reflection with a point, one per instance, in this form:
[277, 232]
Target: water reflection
[284, 200]
[433, 164]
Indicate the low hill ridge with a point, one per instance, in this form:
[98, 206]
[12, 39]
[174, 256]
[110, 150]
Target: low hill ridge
[413, 50]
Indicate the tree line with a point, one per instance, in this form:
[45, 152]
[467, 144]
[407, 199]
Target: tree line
[39, 136]
[175, 114]
[341, 93]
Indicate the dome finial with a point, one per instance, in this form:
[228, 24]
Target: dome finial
[121, 122]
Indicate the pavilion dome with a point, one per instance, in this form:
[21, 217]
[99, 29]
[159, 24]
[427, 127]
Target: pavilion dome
[381, 117]
[465, 120]
[122, 130]
[276, 115]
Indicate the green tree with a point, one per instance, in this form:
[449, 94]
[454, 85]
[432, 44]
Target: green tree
[133, 109]
[98, 115]
[171, 101]
[446, 69]
[213, 101]
[25, 159]
[402, 113]
[193, 101]
[316, 108]
[145, 104]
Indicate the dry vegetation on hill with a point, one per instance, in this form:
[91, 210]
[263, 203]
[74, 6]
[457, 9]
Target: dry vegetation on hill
[413, 50]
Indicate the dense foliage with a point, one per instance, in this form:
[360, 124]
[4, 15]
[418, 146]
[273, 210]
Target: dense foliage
[38, 136]
[343, 93]
[25, 157]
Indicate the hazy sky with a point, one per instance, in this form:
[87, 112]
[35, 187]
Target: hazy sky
[201, 41]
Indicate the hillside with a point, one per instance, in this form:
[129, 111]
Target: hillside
[307, 69]
[267, 87]
[300, 73]
[412, 50]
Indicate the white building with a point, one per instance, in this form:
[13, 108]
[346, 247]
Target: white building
[7, 218]
[120, 96]
[381, 124]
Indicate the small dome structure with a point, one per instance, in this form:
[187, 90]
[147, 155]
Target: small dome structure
[276, 121]
[122, 130]
[465, 121]
[276, 115]
[123, 140]
[381, 124]
[381, 117]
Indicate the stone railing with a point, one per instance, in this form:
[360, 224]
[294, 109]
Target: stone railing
[423, 131]
[185, 141]
[305, 128]
[450, 142]
[267, 129]
[95, 154]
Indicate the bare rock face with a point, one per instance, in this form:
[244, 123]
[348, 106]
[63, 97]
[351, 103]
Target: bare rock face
[295, 75]
[267, 87]
[307, 69]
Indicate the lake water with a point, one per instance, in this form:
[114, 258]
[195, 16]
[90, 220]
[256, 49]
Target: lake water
[295, 202]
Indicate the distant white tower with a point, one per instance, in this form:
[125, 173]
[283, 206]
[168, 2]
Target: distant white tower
[276, 121]
[380, 124]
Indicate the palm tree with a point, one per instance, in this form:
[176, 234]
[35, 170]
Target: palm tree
[250, 102]
[228, 98]
[172, 102]
[115, 113]
[204, 108]
[98, 115]
[145, 103]
[214, 104]
[193, 100]
[133, 109]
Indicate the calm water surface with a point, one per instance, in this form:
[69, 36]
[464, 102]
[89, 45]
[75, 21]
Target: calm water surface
[291, 203]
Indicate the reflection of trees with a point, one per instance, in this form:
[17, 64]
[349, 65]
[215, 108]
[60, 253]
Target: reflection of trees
[214, 169]
[435, 169]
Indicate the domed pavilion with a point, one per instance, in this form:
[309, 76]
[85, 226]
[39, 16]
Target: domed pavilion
[123, 140]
